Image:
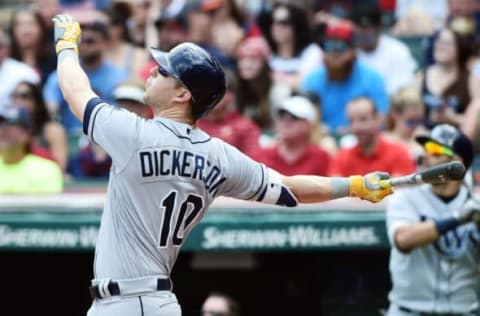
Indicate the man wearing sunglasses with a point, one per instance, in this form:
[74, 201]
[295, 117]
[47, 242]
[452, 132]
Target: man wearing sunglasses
[343, 78]
[166, 172]
[435, 238]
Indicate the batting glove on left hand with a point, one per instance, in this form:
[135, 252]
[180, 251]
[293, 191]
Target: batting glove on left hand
[370, 187]
[66, 33]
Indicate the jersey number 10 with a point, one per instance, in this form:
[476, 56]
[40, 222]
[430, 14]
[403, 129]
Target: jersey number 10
[186, 216]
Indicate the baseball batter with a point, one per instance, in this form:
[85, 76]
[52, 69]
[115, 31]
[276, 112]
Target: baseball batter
[435, 239]
[166, 172]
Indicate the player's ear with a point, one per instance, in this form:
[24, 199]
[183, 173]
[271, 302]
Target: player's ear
[183, 95]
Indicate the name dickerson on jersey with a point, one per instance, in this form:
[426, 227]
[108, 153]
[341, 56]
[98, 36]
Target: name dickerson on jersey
[155, 164]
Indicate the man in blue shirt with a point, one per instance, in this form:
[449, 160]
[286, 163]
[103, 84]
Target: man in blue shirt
[342, 78]
[104, 77]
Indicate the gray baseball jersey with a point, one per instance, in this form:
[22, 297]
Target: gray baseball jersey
[442, 277]
[164, 176]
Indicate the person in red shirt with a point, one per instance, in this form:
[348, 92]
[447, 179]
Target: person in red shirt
[372, 150]
[294, 151]
[228, 124]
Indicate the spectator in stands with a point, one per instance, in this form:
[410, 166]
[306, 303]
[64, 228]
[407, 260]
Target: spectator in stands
[200, 17]
[255, 84]
[138, 22]
[471, 124]
[21, 171]
[120, 51]
[47, 9]
[342, 78]
[172, 29]
[294, 54]
[419, 17]
[405, 119]
[220, 304]
[48, 136]
[372, 150]
[445, 83]
[29, 43]
[228, 27]
[226, 123]
[93, 161]
[294, 151]
[12, 71]
[103, 76]
[388, 56]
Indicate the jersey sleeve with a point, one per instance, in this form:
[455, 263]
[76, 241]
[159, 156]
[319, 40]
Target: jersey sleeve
[114, 129]
[246, 178]
[400, 212]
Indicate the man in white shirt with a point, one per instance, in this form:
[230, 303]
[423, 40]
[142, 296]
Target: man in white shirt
[387, 55]
[12, 71]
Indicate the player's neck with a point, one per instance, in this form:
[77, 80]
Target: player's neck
[176, 114]
[446, 189]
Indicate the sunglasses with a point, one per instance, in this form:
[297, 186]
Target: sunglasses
[284, 22]
[163, 72]
[89, 41]
[213, 313]
[336, 46]
[412, 123]
[282, 114]
[22, 95]
[436, 149]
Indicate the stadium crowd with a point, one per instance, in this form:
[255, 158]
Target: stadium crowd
[320, 87]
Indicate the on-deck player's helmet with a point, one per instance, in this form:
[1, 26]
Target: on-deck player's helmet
[450, 137]
[196, 70]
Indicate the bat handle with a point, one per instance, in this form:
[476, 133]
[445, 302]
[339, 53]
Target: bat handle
[385, 184]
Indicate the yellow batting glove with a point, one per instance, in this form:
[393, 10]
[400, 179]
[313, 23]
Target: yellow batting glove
[66, 33]
[371, 187]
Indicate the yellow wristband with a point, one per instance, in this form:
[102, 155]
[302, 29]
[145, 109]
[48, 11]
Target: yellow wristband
[356, 186]
[61, 45]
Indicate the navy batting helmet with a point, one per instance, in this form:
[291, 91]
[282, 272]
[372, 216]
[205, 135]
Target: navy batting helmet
[451, 137]
[196, 70]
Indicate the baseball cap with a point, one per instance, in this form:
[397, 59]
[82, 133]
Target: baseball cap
[174, 21]
[129, 91]
[367, 15]
[16, 116]
[97, 26]
[342, 30]
[451, 139]
[204, 5]
[253, 47]
[300, 107]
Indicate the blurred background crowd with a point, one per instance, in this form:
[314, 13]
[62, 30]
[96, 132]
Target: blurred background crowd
[326, 87]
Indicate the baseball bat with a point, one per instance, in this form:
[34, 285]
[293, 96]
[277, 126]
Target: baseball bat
[449, 171]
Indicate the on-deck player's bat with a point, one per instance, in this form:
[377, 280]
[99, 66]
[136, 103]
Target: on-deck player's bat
[454, 170]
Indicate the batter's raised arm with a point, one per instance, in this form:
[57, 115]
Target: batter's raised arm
[72, 79]
[311, 189]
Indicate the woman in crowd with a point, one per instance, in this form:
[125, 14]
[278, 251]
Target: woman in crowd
[289, 37]
[30, 44]
[445, 83]
[121, 52]
[255, 86]
[49, 137]
[405, 119]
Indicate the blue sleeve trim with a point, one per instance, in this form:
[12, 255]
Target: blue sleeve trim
[91, 104]
[286, 198]
[445, 225]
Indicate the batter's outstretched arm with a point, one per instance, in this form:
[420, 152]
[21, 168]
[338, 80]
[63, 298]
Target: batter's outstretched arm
[72, 79]
[312, 189]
